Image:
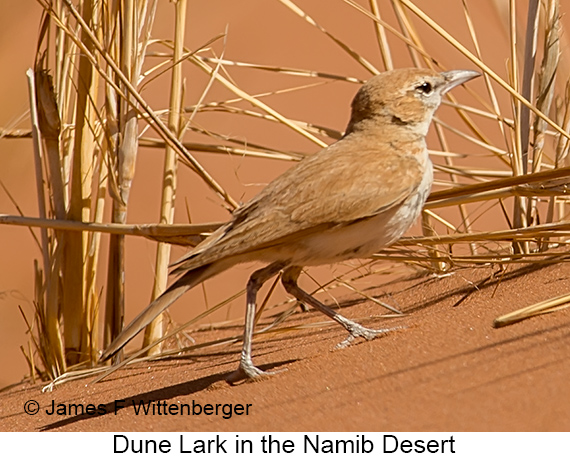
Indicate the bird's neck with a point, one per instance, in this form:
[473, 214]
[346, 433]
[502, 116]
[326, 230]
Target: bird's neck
[389, 126]
[397, 134]
[405, 139]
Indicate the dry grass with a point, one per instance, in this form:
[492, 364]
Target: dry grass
[89, 119]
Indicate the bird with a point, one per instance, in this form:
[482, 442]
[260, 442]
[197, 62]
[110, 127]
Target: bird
[346, 201]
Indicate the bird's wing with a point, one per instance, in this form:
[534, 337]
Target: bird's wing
[321, 192]
[347, 192]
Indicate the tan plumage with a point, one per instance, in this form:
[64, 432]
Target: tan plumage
[346, 201]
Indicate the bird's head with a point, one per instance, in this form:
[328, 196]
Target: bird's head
[404, 97]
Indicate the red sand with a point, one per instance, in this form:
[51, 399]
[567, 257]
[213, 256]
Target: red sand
[448, 369]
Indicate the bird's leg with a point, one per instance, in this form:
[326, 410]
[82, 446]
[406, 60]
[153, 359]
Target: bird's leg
[246, 366]
[289, 280]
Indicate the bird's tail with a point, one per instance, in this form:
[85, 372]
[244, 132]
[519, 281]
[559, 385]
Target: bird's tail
[169, 296]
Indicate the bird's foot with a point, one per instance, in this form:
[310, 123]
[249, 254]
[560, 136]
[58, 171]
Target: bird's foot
[359, 331]
[248, 371]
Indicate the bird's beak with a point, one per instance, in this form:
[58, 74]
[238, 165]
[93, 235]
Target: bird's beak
[456, 77]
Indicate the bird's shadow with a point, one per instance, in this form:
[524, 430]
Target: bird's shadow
[162, 394]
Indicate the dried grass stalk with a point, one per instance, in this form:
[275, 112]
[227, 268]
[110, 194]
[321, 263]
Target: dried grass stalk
[154, 330]
[546, 306]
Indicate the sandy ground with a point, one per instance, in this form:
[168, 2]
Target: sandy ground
[446, 369]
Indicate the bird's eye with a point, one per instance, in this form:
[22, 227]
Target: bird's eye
[425, 88]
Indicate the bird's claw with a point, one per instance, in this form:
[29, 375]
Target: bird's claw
[248, 371]
[359, 331]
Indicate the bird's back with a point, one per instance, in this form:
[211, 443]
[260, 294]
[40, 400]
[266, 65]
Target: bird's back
[323, 194]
